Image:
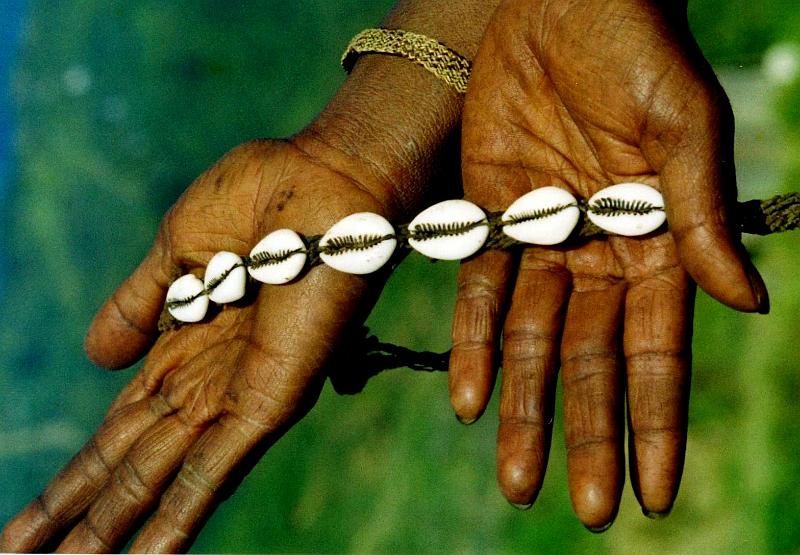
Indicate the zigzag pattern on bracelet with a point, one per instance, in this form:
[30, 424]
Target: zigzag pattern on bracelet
[364, 243]
[445, 63]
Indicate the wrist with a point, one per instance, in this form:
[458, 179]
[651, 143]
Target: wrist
[388, 128]
[393, 126]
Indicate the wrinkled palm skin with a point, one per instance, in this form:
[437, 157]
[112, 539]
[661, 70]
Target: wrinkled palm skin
[211, 397]
[582, 95]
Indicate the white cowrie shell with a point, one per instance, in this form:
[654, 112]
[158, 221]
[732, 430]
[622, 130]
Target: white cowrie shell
[225, 278]
[544, 216]
[278, 258]
[628, 209]
[462, 223]
[364, 242]
[186, 299]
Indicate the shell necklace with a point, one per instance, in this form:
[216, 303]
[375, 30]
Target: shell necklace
[364, 242]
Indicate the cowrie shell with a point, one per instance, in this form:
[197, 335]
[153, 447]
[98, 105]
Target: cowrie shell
[462, 225]
[628, 209]
[544, 216]
[363, 243]
[225, 278]
[278, 258]
[192, 302]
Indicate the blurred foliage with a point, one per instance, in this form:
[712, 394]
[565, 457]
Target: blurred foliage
[121, 104]
[737, 32]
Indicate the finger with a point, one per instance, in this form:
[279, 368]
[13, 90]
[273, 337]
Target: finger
[192, 495]
[137, 482]
[486, 281]
[126, 325]
[530, 359]
[69, 494]
[699, 185]
[134, 488]
[657, 342]
[276, 381]
[483, 285]
[593, 388]
[261, 404]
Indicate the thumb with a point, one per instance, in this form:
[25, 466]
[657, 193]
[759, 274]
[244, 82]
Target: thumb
[699, 185]
[127, 324]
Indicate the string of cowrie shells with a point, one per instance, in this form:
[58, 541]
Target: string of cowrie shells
[364, 242]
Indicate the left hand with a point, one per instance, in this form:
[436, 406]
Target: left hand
[212, 396]
[583, 95]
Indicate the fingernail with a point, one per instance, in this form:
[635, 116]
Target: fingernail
[465, 421]
[521, 506]
[656, 515]
[599, 529]
[759, 290]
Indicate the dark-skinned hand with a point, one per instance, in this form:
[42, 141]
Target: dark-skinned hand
[214, 395]
[583, 95]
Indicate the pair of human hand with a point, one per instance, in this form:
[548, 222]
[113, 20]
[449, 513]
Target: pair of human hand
[578, 94]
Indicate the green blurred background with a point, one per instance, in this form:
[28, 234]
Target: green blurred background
[117, 105]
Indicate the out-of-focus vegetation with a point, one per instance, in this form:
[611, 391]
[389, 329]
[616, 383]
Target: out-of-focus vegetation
[120, 105]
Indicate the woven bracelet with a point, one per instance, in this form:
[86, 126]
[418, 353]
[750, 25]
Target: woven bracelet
[364, 243]
[445, 63]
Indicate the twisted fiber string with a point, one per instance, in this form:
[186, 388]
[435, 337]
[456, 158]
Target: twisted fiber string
[782, 212]
[445, 63]
[761, 217]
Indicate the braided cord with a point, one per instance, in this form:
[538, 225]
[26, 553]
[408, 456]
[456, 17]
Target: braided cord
[761, 217]
[445, 63]
[782, 213]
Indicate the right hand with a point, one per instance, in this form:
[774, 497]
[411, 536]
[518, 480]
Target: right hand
[583, 94]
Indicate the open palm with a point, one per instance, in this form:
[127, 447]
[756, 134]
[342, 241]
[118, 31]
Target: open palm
[583, 95]
[213, 396]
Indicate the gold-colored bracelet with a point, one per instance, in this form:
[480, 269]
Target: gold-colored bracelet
[444, 62]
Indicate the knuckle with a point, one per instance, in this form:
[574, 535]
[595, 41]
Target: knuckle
[159, 406]
[577, 362]
[471, 344]
[42, 503]
[126, 315]
[697, 225]
[477, 286]
[584, 282]
[196, 480]
[657, 435]
[585, 373]
[476, 324]
[531, 261]
[526, 365]
[244, 426]
[649, 362]
[525, 421]
[589, 442]
[132, 483]
[94, 458]
[93, 529]
[527, 337]
[197, 414]
[528, 357]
